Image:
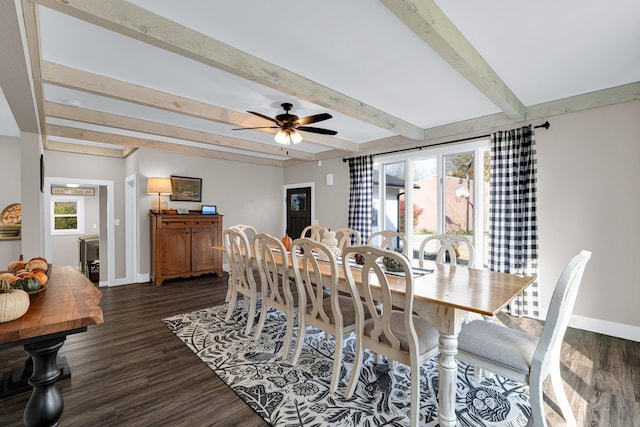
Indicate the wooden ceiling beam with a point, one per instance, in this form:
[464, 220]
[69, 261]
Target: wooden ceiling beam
[429, 23]
[73, 78]
[132, 143]
[135, 22]
[61, 111]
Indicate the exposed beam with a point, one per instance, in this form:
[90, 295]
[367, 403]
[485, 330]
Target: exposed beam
[72, 78]
[132, 143]
[69, 147]
[61, 111]
[32, 30]
[429, 23]
[132, 21]
[600, 98]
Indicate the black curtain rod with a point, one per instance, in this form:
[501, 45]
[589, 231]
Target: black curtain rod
[545, 125]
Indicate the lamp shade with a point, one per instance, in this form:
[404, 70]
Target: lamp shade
[159, 186]
[287, 136]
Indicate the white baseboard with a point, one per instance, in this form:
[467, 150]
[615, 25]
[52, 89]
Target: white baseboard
[605, 327]
[614, 329]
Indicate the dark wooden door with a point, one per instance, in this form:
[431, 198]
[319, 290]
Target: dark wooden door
[298, 210]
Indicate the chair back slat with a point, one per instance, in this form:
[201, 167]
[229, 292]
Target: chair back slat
[274, 275]
[386, 239]
[313, 232]
[306, 255]
[446, 247]
[347, 237]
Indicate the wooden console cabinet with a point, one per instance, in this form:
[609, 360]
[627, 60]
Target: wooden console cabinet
[182, 246]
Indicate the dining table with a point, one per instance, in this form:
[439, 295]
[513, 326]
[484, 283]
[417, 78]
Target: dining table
[444, 295]
[68, 305]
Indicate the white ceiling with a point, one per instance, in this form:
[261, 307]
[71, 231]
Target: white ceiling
[391, 72]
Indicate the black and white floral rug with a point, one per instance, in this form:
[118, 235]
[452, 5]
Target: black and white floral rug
[286, 395]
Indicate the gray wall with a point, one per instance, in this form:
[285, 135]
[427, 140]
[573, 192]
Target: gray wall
[588, 177]
[11, 193]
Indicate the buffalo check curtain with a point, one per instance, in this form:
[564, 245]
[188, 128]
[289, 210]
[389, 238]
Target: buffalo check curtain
[360, 194]
[513, 231]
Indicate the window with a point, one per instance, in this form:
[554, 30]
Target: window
[67, 215]
[446, 188]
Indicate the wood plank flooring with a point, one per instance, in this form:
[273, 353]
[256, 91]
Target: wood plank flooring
[132, 371]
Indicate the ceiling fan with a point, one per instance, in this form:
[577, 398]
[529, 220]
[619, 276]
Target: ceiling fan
[290, 124]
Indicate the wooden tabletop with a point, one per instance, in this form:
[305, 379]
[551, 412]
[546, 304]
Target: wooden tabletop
[70, 302]
[479, 291]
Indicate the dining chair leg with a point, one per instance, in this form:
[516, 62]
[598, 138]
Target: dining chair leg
[232, 305]
[355, 370]
[251, 315]
[261, 321]
[288, 336]
[536, 393]
[337, 363]
[414, 416]
[561, 396]
[300, 340]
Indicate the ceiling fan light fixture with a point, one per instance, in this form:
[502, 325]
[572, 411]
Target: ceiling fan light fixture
[288, 136]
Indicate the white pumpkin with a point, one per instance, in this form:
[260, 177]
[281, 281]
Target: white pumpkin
[14, 303]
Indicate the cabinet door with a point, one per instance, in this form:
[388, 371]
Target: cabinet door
[203, 239]
[174, 251]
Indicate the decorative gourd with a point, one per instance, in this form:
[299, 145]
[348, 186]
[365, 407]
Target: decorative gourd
[14, 303]
[27, 284]
[37, 263]
[15, 266]
[286, 242]
[41, 276]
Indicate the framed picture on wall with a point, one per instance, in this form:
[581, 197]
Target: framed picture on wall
[185, 189]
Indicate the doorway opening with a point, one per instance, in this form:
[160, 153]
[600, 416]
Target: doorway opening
[106, 230]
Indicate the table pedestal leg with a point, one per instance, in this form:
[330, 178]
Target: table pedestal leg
[45, 405]
[449, 322]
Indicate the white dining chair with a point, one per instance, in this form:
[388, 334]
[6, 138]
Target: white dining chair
[250, 232]
[313, 232]
[275, 285]
[527, 358]
[446, 249]
[347, 237]
[321, 305]
[386, 239]
[397, 334]
[241, 276]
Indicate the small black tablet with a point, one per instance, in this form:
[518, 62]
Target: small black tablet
[209, 210]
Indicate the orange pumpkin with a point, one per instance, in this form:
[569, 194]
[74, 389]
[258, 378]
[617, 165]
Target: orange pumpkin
[286, 242]
[41, 276]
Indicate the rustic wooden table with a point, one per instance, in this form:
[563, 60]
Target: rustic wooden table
[68, 306]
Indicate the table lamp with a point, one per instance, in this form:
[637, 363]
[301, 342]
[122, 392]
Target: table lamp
[159, 186]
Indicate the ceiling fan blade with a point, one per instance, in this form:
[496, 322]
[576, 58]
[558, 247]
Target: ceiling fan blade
[259, 127]
[266, 117]
[317, 130]
[312, 119]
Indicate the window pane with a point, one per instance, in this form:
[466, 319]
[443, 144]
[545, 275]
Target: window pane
[65, 208]
[459, 196]
[394, 177]
[66, 223]
[425, 200]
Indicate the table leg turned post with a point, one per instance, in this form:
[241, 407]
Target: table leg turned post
[45, 405]
[449, 323]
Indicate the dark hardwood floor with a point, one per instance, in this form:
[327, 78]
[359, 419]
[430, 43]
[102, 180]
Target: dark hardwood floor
[132, 371]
